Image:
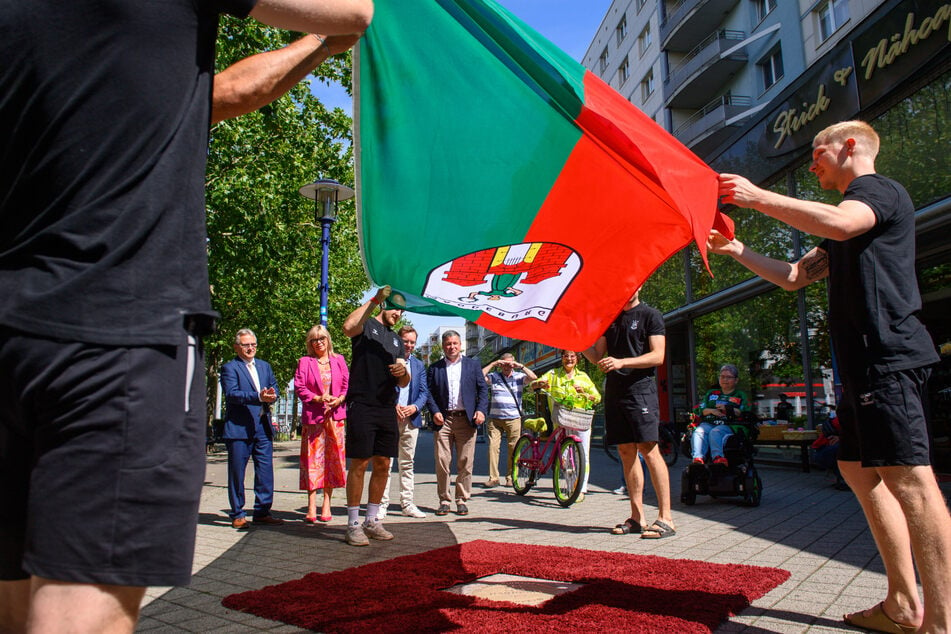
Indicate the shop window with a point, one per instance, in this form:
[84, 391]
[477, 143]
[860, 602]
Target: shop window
[910, 131]
[644, 39]
[603, 60]
[772, 68]
[623, 72]
[761, 337]
[620, 31]
[666, 289]
[830, 15]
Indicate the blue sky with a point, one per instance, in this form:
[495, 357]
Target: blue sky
[569, 24]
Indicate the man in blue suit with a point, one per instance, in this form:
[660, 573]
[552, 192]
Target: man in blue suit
[458, 400]
[409, 413]
[249, 389]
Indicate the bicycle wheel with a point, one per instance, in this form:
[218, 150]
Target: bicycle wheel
[668, 446]
[568, 472]
[523, 466]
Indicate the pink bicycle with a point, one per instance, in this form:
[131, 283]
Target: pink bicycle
[561, 452]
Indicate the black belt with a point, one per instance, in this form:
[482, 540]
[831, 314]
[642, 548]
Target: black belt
[456, 412]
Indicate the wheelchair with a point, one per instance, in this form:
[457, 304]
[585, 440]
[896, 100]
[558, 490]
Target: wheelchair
[737, 478]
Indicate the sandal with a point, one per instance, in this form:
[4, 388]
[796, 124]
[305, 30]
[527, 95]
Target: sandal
[877, 621]
[629, 526]
[658, 530]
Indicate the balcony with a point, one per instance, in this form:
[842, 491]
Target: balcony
[705, 71]
[687, 21]
[708, 127]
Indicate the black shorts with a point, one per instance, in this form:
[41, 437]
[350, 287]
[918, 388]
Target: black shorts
[371, 431]
[633, 415]
[883, 421]
[102, 460]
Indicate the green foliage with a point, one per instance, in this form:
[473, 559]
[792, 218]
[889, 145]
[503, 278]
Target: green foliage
[263, 241]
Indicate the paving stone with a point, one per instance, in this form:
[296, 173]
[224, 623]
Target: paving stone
[802, 525]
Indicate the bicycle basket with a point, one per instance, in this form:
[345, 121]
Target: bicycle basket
[579, 419]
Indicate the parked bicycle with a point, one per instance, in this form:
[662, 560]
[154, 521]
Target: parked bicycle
[561, 451]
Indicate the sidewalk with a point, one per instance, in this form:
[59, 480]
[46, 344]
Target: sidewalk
[803, 525]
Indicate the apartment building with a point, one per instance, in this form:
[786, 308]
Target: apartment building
[746, 84]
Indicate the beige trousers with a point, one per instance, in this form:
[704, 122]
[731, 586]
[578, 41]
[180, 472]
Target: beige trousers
[455, 432]
[512, 428]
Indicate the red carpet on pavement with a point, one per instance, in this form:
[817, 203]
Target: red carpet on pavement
[620, 592]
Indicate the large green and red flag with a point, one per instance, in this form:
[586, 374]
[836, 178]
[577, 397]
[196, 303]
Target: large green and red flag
[499, 181]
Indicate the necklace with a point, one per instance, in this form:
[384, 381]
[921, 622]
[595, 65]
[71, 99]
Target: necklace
[321, 362]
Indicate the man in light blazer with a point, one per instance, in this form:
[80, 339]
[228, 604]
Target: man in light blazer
[458, 400]
[409, 411]
[249, 388]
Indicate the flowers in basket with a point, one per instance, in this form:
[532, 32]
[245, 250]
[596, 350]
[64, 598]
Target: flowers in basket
[567, 395]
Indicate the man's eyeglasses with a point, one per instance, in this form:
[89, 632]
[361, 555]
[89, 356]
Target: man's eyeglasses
[248, 346]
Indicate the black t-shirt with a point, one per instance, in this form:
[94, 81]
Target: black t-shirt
[370, 380]
[873, 292]
[105, 106]
[629, 336]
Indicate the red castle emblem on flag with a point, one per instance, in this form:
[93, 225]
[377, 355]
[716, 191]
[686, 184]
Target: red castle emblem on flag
[512, 282]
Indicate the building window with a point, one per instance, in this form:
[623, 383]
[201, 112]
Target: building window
[763, 7]
[772, 68]
[603, 60]
[830, 15]
[623, 72]
[644, 39]
[640, 4]
[620, 31]
[647, 86]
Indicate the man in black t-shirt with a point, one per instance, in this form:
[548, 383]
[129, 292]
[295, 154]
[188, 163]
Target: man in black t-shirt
[104, 111]
[627, 353]
[377, 369]
[883, 351]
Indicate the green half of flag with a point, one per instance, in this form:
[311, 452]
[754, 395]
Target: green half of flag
[500, 181]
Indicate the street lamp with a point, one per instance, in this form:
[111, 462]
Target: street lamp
[325, 193]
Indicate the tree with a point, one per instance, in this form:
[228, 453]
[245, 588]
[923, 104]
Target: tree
[263, 241]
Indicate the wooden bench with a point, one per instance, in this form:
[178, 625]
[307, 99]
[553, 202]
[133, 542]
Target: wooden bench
[787, 442]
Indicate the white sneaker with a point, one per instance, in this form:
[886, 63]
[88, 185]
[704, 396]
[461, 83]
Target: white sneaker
[375, 530]
[356, 536]
[410, 510]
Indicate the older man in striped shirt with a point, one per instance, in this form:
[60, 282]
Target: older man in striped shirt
[505, 413]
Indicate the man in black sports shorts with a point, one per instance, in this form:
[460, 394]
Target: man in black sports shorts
[104, 111]
[377, 369]
[627, 353]
[883, 352]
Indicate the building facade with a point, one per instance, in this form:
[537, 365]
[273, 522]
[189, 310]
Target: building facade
[746, 84]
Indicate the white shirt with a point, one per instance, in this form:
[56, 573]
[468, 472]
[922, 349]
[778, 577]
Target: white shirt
[252, 369]
[454, 377]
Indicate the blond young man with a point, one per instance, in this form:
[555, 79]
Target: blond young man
[883, 351]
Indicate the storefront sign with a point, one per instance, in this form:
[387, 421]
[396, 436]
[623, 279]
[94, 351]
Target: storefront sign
[903, 41]
[830, 96]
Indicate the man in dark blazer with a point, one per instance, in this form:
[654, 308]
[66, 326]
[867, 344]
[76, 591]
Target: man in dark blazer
[458, 400]
[409, 412]
[249, 388]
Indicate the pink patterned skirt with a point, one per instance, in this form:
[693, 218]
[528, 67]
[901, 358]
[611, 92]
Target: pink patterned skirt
[323, 460]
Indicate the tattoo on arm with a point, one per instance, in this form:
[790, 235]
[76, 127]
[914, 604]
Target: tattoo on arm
[815, 264]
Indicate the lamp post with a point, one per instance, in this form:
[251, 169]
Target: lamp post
[325, 193]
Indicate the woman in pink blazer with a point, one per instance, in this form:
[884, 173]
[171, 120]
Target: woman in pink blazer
[321, 382]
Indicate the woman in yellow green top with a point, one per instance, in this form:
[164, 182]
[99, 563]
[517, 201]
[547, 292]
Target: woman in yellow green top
[571, 387]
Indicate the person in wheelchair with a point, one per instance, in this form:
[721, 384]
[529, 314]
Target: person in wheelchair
[716, 410]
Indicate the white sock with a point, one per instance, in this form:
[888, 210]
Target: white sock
[372, 511]
[353, 515]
